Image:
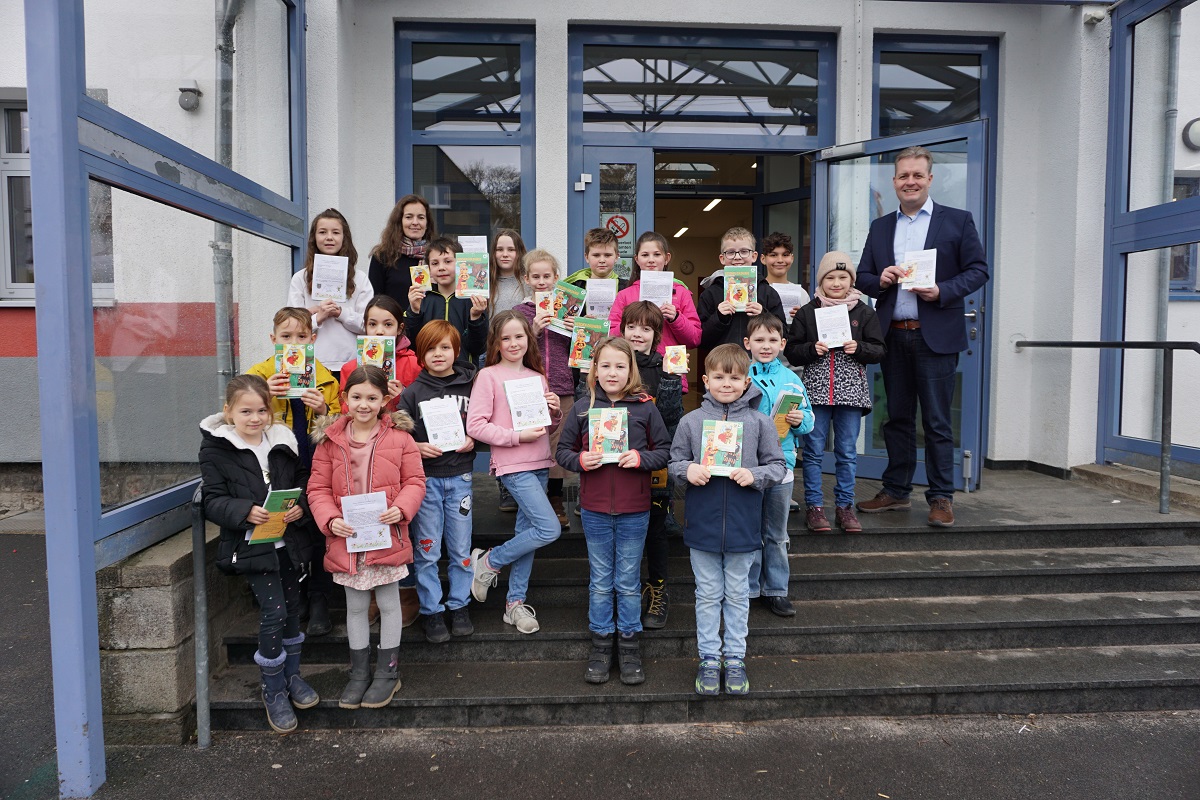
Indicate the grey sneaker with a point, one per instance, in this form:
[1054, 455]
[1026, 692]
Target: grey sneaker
[523, 617]
[484, 578]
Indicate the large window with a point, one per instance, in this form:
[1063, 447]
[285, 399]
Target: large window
[464, 126]
[926, 82]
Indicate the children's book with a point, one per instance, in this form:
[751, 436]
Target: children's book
[721, 446]
[361, 512]
[420, 277]
[833, 325]
[299, 361]
[568, 302]
[587, 334]
[443, 423]
[609, 429]
[543, 302]
[786, 403]
[675, 360]
[473, 278]
[277, 504]
[920, 269]
[329, 277]
[601, 294]
[657, 287]
[378, 351]
[527, 403]
[741, 286]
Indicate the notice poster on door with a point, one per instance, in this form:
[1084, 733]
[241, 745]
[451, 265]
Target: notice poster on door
[622, 224]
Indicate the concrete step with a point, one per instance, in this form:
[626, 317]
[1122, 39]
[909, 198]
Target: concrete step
[828, 626]
[473, 694]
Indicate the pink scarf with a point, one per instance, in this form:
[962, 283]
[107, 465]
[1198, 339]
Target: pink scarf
[410, 248]
[849, 301]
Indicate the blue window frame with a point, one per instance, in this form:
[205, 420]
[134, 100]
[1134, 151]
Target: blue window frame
[465, 124]
[937, 84]
[1171, 226]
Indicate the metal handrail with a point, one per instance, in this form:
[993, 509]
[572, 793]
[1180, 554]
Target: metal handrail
[1168, 378]
[200, 634]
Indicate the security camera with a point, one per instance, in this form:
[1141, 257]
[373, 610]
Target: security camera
[189, 96]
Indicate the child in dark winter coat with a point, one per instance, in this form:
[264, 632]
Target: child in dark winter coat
[836, 379]
[723, 511]
[614, 492]
[445, 515]
[243, 455]
[642, 326]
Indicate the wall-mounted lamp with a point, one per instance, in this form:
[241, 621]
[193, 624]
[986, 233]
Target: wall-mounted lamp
[1191, 135]
[712, 204]
[189, 95]
[680, 232]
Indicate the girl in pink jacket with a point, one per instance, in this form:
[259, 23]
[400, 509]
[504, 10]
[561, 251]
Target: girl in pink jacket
[520, 458]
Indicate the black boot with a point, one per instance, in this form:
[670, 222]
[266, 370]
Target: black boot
[280, 715]
[386, 681]
[360, 678]
[600, 659]
[629, 655]
[301, 694]
[507, 503]
[657, 601]
[319, 623]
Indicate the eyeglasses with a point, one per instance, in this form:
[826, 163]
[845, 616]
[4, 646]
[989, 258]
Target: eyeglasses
[744, 253]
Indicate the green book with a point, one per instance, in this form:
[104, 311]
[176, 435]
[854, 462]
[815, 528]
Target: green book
[721, 446]
[568, 302]
[378, 351]
[472, 278]
[299, 361]
[609, 433]
[587, 334]
[741, 286]
[277, 504]
[784, 405]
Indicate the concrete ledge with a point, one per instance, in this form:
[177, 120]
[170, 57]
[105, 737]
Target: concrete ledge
[141, 729]
[1140, 484]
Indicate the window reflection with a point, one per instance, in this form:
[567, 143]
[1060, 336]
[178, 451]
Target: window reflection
[466, 87]
[918, 91]
[472, 190]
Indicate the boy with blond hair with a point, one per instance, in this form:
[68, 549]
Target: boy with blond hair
[719, 322]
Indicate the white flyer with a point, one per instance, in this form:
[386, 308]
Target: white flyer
[792, 296]
[920, 269]
[833, 325]
[527, 403]
[473, 244]
[361, 512]
[329, 278]
[443, 423]
[657, 287]
[601, 294]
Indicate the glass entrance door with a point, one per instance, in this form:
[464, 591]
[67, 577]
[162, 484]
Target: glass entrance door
[853, 186]
[618, 194]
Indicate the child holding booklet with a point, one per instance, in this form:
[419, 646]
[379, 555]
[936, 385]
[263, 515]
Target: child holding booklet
[384, 317]
[339, 321]
[681, 323]
[725, 323]
[615, 437]
[467, 314]
[642, 326]
[506, 261]
[600, 254]
[366, 451]
[443, 386]
[520, 457]
[243, 455]
[835, 376]
[729, 455]
[777, 257]
[541, 273]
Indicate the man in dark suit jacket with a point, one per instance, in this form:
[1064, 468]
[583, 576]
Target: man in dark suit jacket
[924, 332]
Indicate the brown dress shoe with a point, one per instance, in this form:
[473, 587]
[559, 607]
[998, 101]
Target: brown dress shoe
[883, 502]
[559, 511]
[941, 512]
[846, 519]
[816, 520]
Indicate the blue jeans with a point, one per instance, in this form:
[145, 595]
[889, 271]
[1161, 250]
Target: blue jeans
[537, 526]
[614, 544]
[770, 571]
[911, 373]
[722, 587]
[444, 518]
[847, 421]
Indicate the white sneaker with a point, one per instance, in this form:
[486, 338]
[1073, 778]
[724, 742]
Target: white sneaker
[523, 617]
[484, 578]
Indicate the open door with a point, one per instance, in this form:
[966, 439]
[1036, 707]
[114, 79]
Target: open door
[618, 194]
[853, 186]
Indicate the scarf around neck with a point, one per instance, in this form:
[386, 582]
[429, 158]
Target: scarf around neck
[849, 301]
[410, 248]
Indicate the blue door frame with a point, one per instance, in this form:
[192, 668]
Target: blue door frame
[974, 363]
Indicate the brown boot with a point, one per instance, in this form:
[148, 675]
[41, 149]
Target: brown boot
[410, 605]
[815, 520]
[941, 512]
[883, 502]
[846, 519]
[559, 511]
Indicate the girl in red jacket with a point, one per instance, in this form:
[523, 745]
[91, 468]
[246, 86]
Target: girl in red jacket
[385, 317]
[367, 450]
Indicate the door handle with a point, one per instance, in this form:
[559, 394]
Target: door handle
[971, 315]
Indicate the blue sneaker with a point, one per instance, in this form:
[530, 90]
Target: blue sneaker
[708, 676]
[736, 681]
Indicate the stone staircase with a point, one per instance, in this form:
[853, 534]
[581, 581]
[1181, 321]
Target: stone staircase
[999, 618]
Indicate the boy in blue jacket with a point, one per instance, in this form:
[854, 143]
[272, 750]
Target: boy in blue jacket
[770, 572]
[723, 512]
